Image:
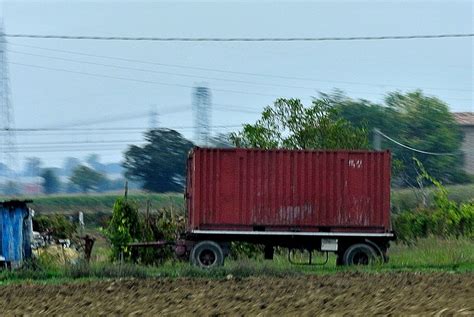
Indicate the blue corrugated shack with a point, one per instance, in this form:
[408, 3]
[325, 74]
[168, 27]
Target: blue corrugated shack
[15, 232]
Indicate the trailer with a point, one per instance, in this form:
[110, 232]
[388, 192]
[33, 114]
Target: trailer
[325, 201]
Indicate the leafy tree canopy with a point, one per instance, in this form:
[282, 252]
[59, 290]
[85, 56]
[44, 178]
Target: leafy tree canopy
[161, 163]
[51, 182]
[124, 227]
[86, 178]
[288, 124]
[416, 120]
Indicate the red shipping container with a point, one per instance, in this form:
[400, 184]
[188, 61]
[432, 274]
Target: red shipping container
[288, 190]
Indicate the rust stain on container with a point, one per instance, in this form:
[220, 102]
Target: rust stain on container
[250, 189]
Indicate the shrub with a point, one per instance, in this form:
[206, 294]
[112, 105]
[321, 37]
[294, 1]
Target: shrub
[163, 224]
[57, 225]
[123, 228]
[97, 219]
[127, 225]
[446, 218]
[242, 250]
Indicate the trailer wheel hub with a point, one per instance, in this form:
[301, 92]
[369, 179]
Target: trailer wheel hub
[207, 257]
[207, 254]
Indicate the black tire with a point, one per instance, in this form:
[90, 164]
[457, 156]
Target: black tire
[207, 254]
[359, 254]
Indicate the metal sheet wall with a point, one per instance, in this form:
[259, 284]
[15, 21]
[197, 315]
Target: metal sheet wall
[288, 190]
[14, 238]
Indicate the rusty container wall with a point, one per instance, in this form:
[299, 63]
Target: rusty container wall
[249, 189]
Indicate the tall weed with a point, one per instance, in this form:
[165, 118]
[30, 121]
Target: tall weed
[446, 218]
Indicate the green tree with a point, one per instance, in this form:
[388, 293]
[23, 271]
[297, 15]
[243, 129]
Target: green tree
[124, 227]
[288, 124]
[416, 120]
[427, 124]
[161, 163]
[51, 182]
[86, 178]
[363, 113]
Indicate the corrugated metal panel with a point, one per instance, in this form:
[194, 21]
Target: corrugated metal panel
[249, 189]
[14, 243]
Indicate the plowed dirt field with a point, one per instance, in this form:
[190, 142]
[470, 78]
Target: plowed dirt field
[440, 294]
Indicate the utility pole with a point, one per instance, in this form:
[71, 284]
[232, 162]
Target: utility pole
[377, 140]
[202, 113]
[8, 153]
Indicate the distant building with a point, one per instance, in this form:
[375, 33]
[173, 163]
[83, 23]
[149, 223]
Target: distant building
[466, 121]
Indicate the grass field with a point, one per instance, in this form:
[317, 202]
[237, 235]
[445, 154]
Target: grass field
[402, 199]
[90, 203]
[428, 255]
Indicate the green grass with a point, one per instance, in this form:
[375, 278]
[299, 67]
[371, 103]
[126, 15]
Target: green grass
[100, 202]
[402, 199]
[98, 207]
[428, 255]
[405, 199]
[97, 202]
[432, 253]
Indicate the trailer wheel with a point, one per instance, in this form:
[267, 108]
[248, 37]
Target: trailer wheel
[207, 254]
[359, 254]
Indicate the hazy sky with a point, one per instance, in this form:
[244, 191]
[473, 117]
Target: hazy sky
[363, 69]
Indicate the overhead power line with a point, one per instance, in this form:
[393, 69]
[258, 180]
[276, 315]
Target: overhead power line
[134, 115]
[223, 71]
[86, 143]
[411, 148]
[72, 125]
[146, 70]
[168, 73]
[120, 117]
[159, 72]
[101, 149]
[238, 39]
[112, 129]
[138, 80]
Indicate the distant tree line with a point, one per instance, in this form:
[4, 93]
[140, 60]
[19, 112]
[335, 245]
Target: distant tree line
[90, 176]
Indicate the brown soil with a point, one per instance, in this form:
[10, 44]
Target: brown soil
[439, 294]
